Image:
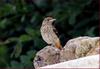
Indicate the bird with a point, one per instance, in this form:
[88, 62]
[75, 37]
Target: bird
[49, 33]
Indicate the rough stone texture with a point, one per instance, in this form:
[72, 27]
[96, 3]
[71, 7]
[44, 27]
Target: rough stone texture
[84, 62]
[96, 48]
[46, 56]
[73, 49]
[80, 47]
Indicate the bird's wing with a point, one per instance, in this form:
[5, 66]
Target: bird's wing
[56, 32]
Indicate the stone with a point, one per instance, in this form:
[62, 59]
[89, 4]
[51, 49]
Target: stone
[48, 55]
[75, 48]
[80, 47]
[84, 62]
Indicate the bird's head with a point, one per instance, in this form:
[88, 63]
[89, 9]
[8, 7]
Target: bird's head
[48, 20]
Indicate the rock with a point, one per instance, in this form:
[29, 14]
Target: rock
[46, 56]
[73, 49]
[96, 48]
[84, 62]
[80, 47]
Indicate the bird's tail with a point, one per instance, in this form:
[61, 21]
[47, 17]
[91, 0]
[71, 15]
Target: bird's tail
[58, 44]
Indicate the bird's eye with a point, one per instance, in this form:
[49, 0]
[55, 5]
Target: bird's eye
[48, 19]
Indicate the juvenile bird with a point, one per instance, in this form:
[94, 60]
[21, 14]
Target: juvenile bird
[48, 33]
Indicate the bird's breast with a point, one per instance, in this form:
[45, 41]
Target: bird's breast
[48, 34]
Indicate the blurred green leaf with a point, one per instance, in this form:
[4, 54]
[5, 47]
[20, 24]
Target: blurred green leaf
[7, 9]
[72, 19]
[24, 38]
[39, 44]
[3, 56]
[23, 18]
[26, 61]
[3, 50]
[9, 40]
[31, 53]
[17, 50]
[3, 23]
[90, 32]
[15, 64]
[33, 32]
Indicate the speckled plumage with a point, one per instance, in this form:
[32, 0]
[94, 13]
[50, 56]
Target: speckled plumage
[48, 33]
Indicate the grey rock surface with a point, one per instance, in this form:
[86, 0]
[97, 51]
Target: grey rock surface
[46, 56]
[73, 49]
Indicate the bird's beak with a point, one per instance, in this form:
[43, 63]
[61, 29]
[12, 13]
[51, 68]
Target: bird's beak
[52, 20]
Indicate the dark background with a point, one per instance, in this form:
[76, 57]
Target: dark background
[20, 22]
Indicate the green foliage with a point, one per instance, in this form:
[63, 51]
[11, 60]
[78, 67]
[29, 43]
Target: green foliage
[3, 23]
[7, 9]
[20, 22]
[3, 56]
[24, 38]
[25, 60]
[17, 50]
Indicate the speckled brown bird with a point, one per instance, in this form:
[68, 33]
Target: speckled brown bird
[48, 33]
